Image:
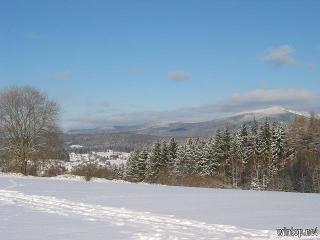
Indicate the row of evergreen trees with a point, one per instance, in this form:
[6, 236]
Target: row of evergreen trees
[257, 156]
[250, 156]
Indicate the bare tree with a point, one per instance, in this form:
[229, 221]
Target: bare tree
[27, 119]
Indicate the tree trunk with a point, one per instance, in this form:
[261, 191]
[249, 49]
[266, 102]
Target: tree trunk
[24, 164]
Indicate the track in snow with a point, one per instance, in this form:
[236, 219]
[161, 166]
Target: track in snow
[149, 225]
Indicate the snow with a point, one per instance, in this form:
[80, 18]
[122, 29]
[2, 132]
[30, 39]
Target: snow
[76, 146]
[272, 111]
[60, 208]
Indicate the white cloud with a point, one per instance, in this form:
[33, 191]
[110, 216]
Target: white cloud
[178, 75]
[33, 35]
[280, 56]
[310, 65]
[273, 96]
[62, 75]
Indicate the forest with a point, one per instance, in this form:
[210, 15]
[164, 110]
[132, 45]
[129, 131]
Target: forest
[264, 156]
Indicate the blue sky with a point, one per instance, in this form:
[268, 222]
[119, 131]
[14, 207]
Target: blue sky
[128, 62]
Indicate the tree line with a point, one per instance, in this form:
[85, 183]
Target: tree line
[271, 156]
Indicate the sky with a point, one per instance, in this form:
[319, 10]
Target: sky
[145, 61]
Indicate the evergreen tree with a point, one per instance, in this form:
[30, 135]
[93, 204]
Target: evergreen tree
[235, 158]
[180, 162]
[261, 143]
[253, 166]
[226, 152]
[142, 165]
[219, 147]
[132, 166]
[154, 164]
[199, 156]
[190, 156]
[246, 146]
[164, 155]
[267, 135]
[209, 163]
[172, 152]
[278, 138]
[255, 127]
[277, 149]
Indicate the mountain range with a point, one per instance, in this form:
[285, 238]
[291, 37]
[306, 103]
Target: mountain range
[200, 129]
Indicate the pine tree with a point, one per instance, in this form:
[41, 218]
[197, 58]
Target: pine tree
[253, 166]
[267, 135]
[248, 145]
[226, 139]
[132, 166]
[164, 156]
[245, 144]
[278, 138]
[255, 127]
[261, 143]
[172, 153]
[154, 163]
[142, 165]
[235, 158]
[277, 149]
[180, 162]
[199, 156]
[209, 162]
[190, 155]
[219, 147]
[264, 155]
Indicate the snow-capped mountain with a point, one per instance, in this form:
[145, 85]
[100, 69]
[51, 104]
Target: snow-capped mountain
[206, 128]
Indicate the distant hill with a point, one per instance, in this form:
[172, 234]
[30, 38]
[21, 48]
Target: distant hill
[124, 142]
[198, 129]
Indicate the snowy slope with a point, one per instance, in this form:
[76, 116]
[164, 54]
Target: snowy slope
[34, 208]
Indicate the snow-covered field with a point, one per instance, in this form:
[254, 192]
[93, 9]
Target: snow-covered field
[60, 209]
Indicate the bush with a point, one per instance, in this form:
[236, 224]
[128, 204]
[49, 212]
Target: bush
[173, 179]
[88, 171]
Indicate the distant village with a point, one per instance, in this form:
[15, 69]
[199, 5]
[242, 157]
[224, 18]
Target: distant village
[108, 157]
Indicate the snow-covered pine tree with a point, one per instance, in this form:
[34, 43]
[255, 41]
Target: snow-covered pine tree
[209, 162]
[154, 162]
[235, 158]
[226, 152]
[219, 147]
[164, 157]
[277, 149]
[261, 143]
[255, 127]
[142, 165]
[246, 148]
[190, 154]
[172, 153]
[219, 151]
[131, 171]
[267, 135]
[264, 155]
[180, 162]
[253, 169]
[199, 156]
[268, 163]
[248, 142]
[278, 138]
